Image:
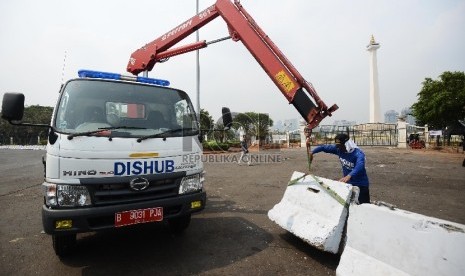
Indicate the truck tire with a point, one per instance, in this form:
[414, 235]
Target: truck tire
[63, 244]
[179, 224]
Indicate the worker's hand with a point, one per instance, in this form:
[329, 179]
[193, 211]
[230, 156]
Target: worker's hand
[345, 179]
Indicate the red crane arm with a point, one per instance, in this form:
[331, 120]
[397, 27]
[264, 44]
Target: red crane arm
[242, 28]
[145, 58]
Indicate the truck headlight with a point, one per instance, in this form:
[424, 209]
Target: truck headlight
[66, 195]
[191, 183]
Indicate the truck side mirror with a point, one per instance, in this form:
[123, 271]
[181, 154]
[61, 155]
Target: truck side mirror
[13, 106]
[227, 118]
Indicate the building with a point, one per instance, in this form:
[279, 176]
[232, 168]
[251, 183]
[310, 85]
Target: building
[344, 123]
[390, 117]
[407, 114]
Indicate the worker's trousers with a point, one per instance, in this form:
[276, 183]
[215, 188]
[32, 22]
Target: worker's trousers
[244, 157]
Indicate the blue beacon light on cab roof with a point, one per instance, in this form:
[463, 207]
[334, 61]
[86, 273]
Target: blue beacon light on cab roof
[114, 76]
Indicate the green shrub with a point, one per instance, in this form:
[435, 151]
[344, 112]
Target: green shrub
[215, 146]
[234, 143]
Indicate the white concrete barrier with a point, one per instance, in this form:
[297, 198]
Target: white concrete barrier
[382, 241]
[310, 212]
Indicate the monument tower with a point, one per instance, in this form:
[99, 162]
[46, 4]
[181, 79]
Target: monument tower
[375, 113]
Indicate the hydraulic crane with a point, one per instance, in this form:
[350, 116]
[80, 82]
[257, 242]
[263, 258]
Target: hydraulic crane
[242, 27]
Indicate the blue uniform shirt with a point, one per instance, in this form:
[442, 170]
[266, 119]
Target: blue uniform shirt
[353, 163]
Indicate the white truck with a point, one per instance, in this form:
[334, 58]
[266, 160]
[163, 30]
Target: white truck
[121, 150]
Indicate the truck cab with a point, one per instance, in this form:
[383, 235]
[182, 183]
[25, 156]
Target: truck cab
[121, 151]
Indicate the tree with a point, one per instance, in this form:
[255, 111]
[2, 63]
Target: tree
[257, 124]
[34, 114]
[441, 103]
[206, 121]
[222, 135]
[242, 120]
[6, 131]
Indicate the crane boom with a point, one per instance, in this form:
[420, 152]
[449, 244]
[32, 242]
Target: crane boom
[242, 27]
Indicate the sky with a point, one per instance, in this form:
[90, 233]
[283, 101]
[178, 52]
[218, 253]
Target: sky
[44, 43]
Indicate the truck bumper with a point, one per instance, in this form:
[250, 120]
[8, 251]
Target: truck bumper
[99, 218]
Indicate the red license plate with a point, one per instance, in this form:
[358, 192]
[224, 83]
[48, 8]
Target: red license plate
[138, 216]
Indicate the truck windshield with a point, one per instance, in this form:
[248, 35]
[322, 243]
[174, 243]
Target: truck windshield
[128, 109]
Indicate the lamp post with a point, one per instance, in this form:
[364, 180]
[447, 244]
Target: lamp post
[198, 67]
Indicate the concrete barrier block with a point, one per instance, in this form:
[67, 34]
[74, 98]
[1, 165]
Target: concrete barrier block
[383, 241]
[308, 211]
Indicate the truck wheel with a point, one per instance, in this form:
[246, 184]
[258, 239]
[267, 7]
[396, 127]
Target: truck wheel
[63, 244]
[179, 224]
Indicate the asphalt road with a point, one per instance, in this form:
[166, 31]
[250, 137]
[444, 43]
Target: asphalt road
[233, 236]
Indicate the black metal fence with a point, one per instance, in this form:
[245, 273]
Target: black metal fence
[373, 134]
[380, 134]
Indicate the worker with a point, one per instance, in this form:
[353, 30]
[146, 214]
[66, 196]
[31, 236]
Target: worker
[244, 151]
[353, 164]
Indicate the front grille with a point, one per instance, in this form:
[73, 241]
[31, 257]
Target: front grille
[112, 191]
